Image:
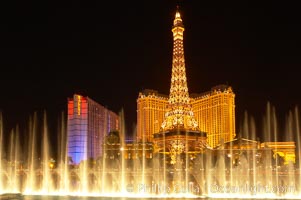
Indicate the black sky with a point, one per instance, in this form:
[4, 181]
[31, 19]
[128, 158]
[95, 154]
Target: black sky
[111, 50]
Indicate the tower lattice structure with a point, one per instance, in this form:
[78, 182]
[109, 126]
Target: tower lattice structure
[179, 113]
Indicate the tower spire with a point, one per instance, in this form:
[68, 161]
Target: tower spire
[179, 114]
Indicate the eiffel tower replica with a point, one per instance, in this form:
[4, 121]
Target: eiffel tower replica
[179, 133]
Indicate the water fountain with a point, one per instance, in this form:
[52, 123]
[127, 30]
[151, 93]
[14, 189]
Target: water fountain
[223, 172]
[177, 163]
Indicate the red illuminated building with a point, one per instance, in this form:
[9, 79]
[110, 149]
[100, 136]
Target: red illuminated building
[88, 123]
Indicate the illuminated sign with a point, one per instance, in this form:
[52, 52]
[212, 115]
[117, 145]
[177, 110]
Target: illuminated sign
[78, 105]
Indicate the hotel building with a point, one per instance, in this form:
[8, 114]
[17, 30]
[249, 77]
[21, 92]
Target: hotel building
[88, 123]
[151, 108]
[213, 111]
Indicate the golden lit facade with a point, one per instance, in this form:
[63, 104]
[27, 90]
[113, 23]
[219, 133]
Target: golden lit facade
[285, 150]
[114, 148]
[151, 108]
[212, 112]
[215, 112]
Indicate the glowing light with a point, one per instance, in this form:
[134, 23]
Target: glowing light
[180, 112]
[211, 180]
[78, 104]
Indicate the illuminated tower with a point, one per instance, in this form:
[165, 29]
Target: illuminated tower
[212, 112]
[179, 114]
[179, 131]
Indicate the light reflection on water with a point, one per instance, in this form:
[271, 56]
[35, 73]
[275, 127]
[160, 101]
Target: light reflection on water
[37, 197]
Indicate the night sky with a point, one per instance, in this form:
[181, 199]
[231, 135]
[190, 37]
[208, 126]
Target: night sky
[111, 50]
